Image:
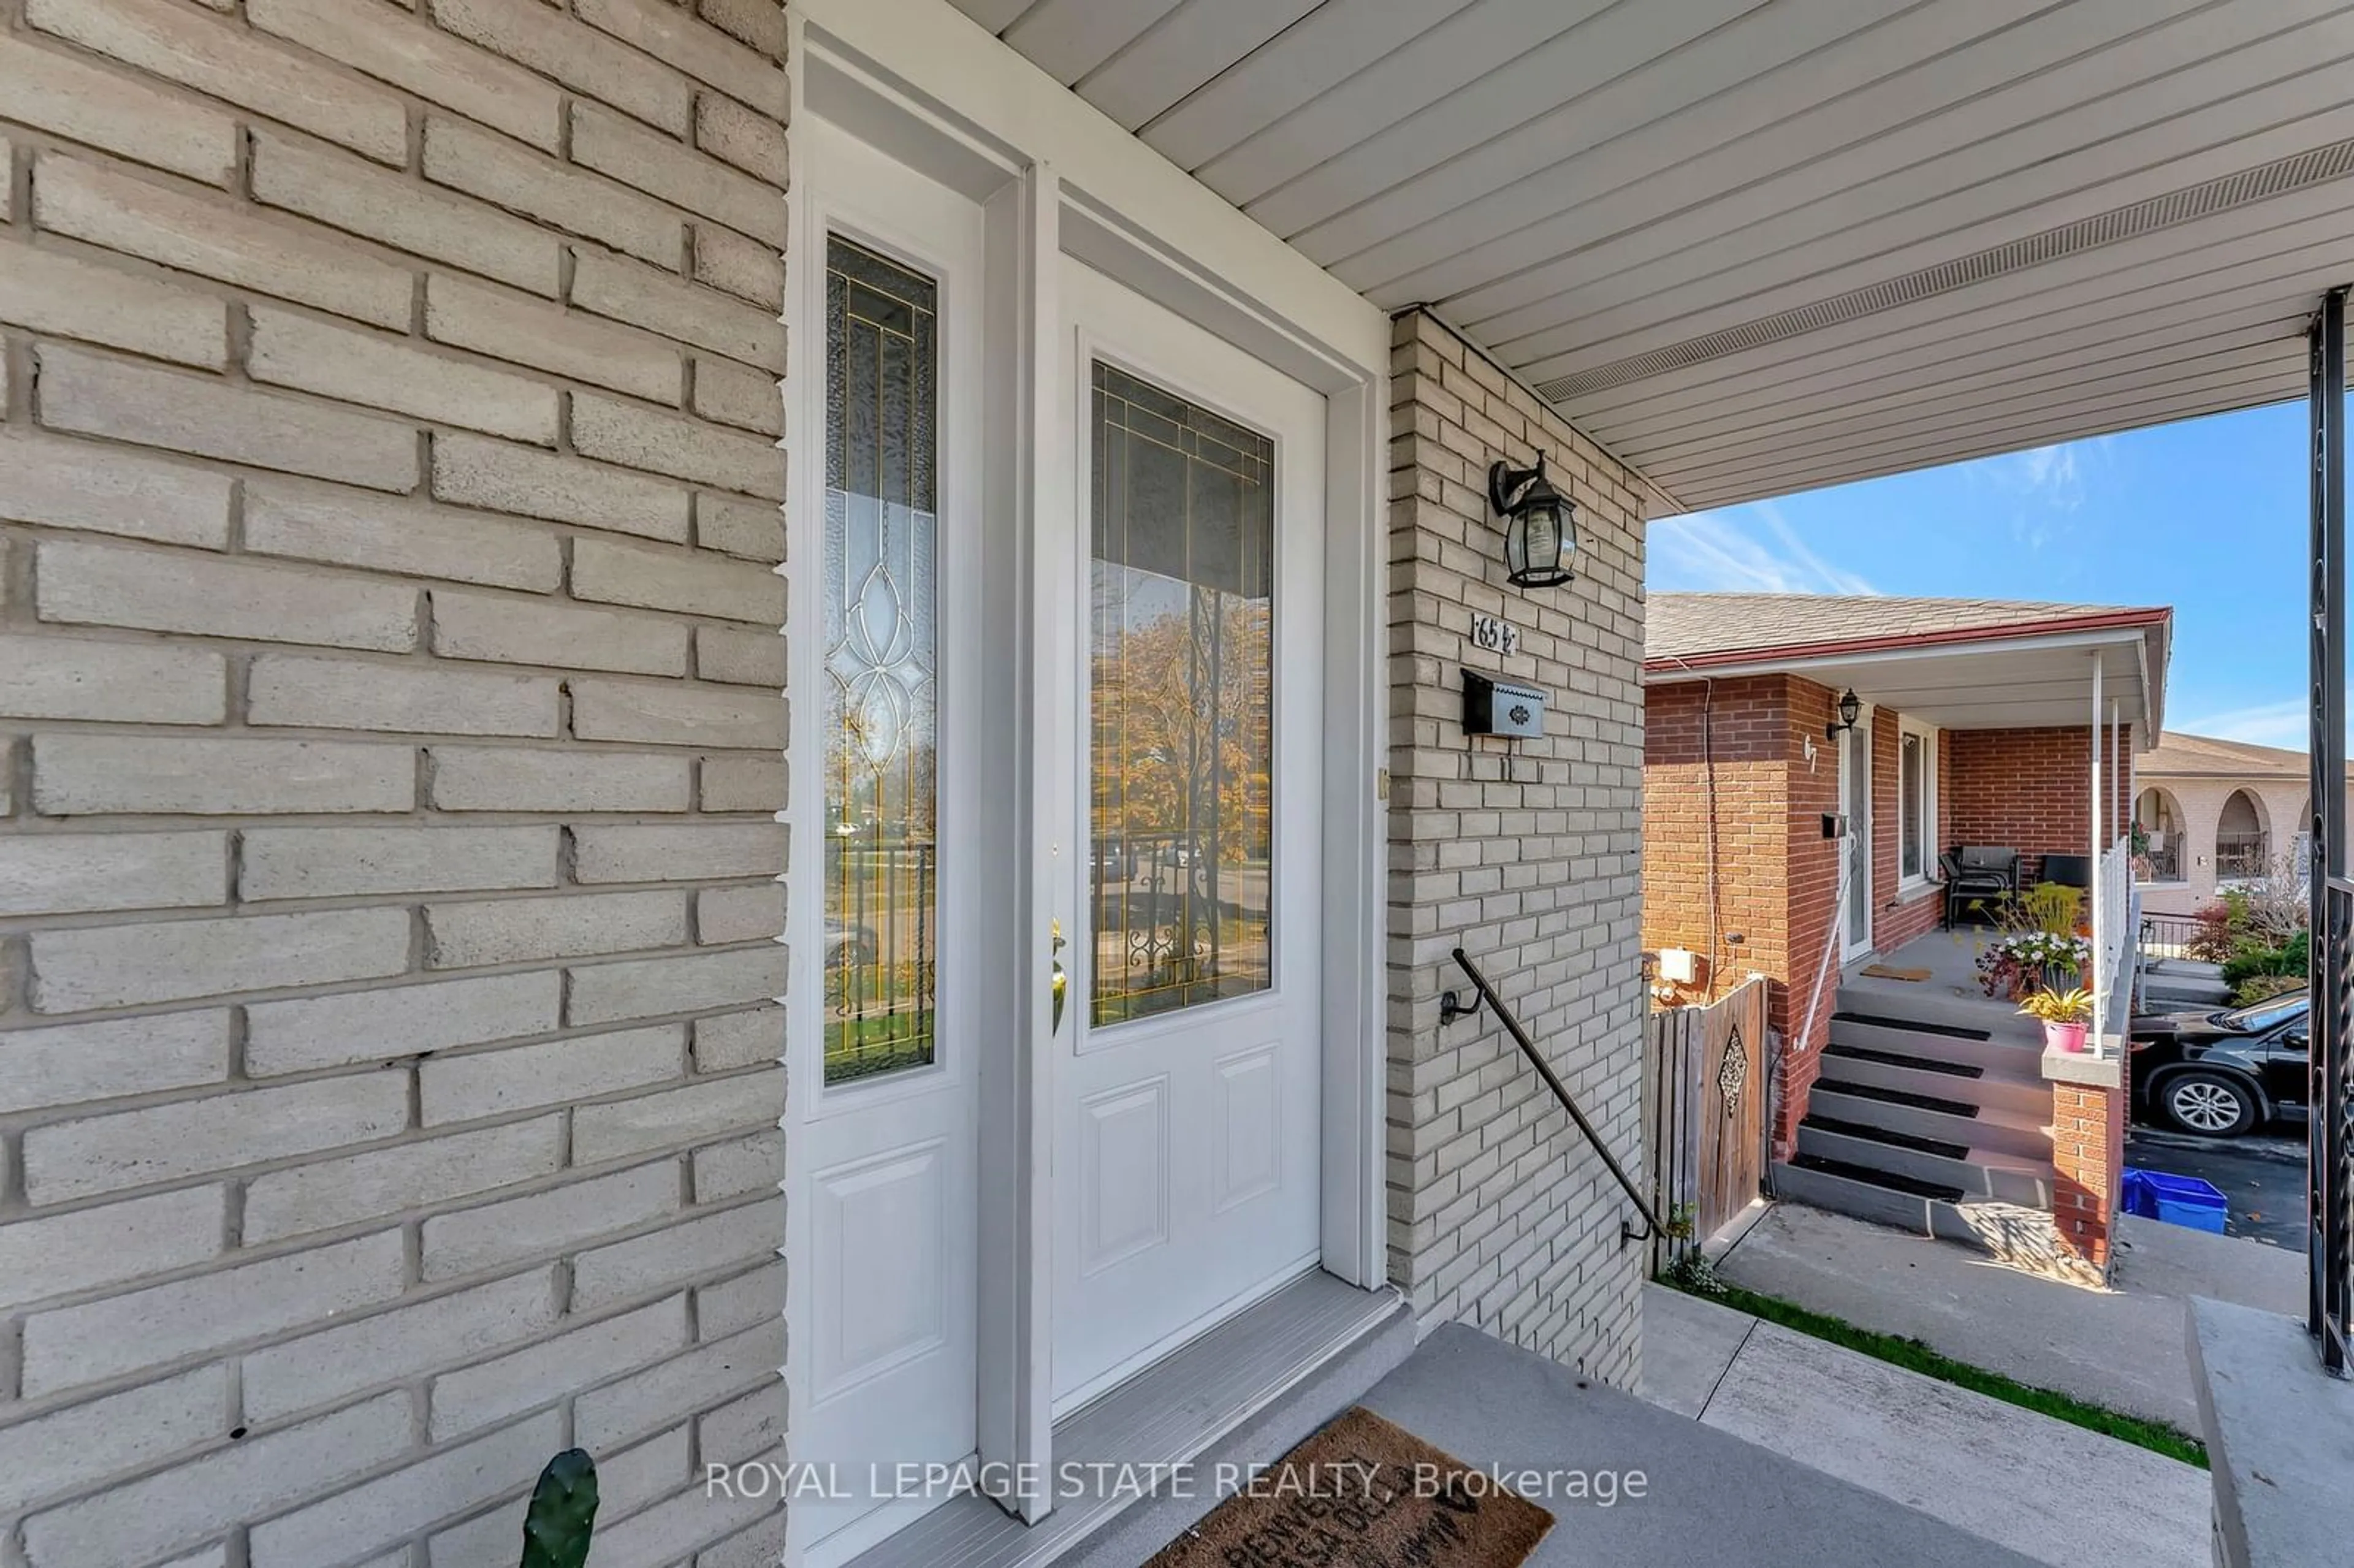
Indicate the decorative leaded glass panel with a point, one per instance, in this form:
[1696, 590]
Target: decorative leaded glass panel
[882, 866]
[1182, 708]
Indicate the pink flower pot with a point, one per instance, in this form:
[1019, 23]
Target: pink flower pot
[2064, 1036]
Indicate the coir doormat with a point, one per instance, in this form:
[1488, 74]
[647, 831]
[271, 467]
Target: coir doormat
[1365, 1494]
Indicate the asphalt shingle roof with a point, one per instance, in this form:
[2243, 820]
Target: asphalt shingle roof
[1692, 625]
[2180, 756]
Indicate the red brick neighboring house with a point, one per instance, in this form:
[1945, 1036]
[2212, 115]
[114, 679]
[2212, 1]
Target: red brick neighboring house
[1974, 728]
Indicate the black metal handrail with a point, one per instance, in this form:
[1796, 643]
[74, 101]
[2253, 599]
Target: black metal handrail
[1627, 1232]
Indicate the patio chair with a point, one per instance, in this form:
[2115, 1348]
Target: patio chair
[2069, 869]
[1975, 873]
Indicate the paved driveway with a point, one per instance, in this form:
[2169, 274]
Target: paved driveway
[2263, 1178]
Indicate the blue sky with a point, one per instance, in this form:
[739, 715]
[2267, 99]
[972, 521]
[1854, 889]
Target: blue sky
[2209, 516]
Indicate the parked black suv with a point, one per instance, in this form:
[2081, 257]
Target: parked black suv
[2223, 1073]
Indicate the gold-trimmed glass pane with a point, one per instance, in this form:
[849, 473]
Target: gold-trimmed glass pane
[882, 801]
[1913, 787]
[1182, 708]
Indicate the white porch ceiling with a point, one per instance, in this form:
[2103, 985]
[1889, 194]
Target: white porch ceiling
[1757, 245]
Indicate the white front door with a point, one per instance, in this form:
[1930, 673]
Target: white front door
[1186, 1068]
[1855, 800]
[893, 1013]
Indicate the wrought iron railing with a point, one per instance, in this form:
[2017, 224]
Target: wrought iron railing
[1652, 1224]
[1175, 923]
[881, 934]
[2242, 855]
[2159, 863]
[2168, 936]
[2329, 1129]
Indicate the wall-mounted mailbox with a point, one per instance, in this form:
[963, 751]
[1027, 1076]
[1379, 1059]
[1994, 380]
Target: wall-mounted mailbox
[1834, 825]
[1501, 707]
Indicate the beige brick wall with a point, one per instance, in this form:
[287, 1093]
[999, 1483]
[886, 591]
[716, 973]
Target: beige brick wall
[1527, 855]
[390, 733]
[2281, 805]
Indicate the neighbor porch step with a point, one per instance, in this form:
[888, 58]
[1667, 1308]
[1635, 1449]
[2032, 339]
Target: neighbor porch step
[1944, 1119]
[1896, 1001]
[1953, 1083]
[1244, 1393]
[1924, 1209]
[1975, 1173]
[1901, 1059]
[1932, 1042]
[2194, 993]
[1893, 1180]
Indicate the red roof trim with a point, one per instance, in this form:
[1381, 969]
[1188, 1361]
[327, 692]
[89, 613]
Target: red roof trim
[2102, 621]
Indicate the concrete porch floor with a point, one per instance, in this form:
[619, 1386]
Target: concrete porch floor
[1709, 1497]
[2050, 1491]
[1713, 1497]
[1949, 994]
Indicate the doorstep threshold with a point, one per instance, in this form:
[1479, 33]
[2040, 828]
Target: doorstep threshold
[1166, 1415]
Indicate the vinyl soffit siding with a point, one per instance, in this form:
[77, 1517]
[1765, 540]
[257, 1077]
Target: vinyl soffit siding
[1743, 243]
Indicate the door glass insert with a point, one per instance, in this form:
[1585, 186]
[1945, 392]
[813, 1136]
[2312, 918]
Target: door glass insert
[1912, 781]
[1182, 702]
[1855, 756]
[882, 862]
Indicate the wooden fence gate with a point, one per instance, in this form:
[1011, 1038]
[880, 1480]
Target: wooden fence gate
[1704, 1107]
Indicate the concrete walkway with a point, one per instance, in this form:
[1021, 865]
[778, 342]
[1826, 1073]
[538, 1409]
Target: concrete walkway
[2123, 1348]
[1707, 1500]
[2041, 1487]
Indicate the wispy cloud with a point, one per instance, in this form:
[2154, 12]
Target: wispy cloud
[1742, 549]
[2042, 487]
[2266, 724]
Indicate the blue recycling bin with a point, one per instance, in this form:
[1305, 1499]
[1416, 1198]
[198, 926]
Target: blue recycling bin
[2177, 1200]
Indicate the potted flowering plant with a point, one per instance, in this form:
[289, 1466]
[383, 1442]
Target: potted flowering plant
[2025, 962]
[2064, 1016]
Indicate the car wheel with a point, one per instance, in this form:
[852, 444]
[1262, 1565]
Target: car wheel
[2210, 1104]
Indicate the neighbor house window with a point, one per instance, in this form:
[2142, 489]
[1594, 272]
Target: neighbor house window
[1916, 802]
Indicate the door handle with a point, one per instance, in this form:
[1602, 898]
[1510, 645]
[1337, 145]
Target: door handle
[1060, 985]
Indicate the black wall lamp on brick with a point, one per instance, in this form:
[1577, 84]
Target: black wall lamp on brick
[1540, 528]
[1850, 710]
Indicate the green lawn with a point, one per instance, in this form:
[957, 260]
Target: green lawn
[1915, 1356]
[861, 1047]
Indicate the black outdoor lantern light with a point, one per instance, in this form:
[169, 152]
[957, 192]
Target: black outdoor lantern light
[1540, 531]
[1850, 710]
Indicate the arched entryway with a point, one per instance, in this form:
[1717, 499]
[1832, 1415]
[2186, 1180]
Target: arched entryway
[2242, 838]
[2157, 837]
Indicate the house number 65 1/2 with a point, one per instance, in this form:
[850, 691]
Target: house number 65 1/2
[1495, 636]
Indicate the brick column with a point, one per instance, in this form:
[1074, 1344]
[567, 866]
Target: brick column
[1526, 854]
[2089, 1102]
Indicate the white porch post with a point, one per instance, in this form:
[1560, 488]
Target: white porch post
[2100, 920]
[2129, 948]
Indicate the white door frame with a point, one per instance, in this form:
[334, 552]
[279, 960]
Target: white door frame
[1105, 323]
[1855, 749]
[975, 642]
[920, 80]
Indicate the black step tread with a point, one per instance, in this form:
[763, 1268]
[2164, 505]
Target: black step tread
[1908, 1185]
[1898, 1059]
[1901, 1098]
[1913, 1141]
[1911, 1025]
